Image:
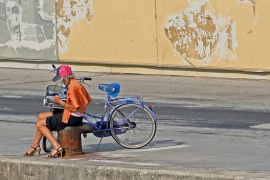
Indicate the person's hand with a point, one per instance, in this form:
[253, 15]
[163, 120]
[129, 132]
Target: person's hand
[57, 100]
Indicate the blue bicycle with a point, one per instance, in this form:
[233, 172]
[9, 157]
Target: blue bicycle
[130, 122]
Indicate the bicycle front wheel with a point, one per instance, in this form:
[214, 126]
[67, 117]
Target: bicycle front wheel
[133, 126]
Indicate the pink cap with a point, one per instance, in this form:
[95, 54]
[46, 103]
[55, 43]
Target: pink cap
[62, 71]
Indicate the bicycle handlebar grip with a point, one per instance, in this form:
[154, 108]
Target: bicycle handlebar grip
[83, 79]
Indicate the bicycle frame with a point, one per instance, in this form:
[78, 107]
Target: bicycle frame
[110, 102]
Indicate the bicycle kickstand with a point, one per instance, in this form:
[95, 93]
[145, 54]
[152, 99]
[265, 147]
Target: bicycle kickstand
[100, 142]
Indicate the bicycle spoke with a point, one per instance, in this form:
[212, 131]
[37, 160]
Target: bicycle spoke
[141, 129]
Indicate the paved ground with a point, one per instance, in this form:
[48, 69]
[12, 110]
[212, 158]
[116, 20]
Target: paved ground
[188, 153]
[216, 153]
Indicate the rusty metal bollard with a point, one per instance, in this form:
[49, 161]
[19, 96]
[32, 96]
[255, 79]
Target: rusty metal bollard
[70, 138]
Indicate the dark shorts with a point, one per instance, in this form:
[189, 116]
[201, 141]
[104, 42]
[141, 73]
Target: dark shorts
[54, 123]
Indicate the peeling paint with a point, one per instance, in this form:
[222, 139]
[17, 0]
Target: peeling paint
[14, 19]
[196, 34]
[45, 15]
[68, 12]
[19, 33]
[3, 10]
[253, 2]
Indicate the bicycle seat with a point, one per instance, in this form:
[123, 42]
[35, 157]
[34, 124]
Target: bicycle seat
[112, 90]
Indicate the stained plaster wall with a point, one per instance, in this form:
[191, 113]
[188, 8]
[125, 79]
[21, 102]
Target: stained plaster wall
[119, 31]
[27, 29]
[231, 34]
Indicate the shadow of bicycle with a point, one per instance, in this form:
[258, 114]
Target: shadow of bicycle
[113, 146]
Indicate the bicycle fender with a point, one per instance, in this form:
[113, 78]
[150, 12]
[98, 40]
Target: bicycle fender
[138, 103]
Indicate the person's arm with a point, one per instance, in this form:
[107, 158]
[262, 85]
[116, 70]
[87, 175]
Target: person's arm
[69, 107]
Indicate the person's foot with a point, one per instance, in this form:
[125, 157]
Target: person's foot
[56, 152]
[33, 150]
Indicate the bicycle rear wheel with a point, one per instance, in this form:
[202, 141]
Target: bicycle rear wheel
[142, 129]
[46, 144]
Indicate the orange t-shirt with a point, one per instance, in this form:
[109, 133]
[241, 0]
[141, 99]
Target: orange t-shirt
[76, 96]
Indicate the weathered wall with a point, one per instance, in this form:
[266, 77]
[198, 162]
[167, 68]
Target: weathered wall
[231, 34]
[118, 31]
[27, 29]
[211, 33]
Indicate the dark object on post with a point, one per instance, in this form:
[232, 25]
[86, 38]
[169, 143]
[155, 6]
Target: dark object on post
[70, 138]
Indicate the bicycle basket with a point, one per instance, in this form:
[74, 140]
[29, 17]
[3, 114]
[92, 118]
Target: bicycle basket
[111, 89]
[53, 90]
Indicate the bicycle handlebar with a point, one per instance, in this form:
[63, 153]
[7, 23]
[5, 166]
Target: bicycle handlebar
[53, 66]
[84, 79]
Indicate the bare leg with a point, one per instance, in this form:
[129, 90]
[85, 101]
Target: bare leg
[43, 130]
[41, 117]
[39, 134]
[41, 125]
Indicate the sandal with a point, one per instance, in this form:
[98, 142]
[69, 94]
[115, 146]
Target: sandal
[36, 149]
[57, 153]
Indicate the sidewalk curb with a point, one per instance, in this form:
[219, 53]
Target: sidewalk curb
[13, 169]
